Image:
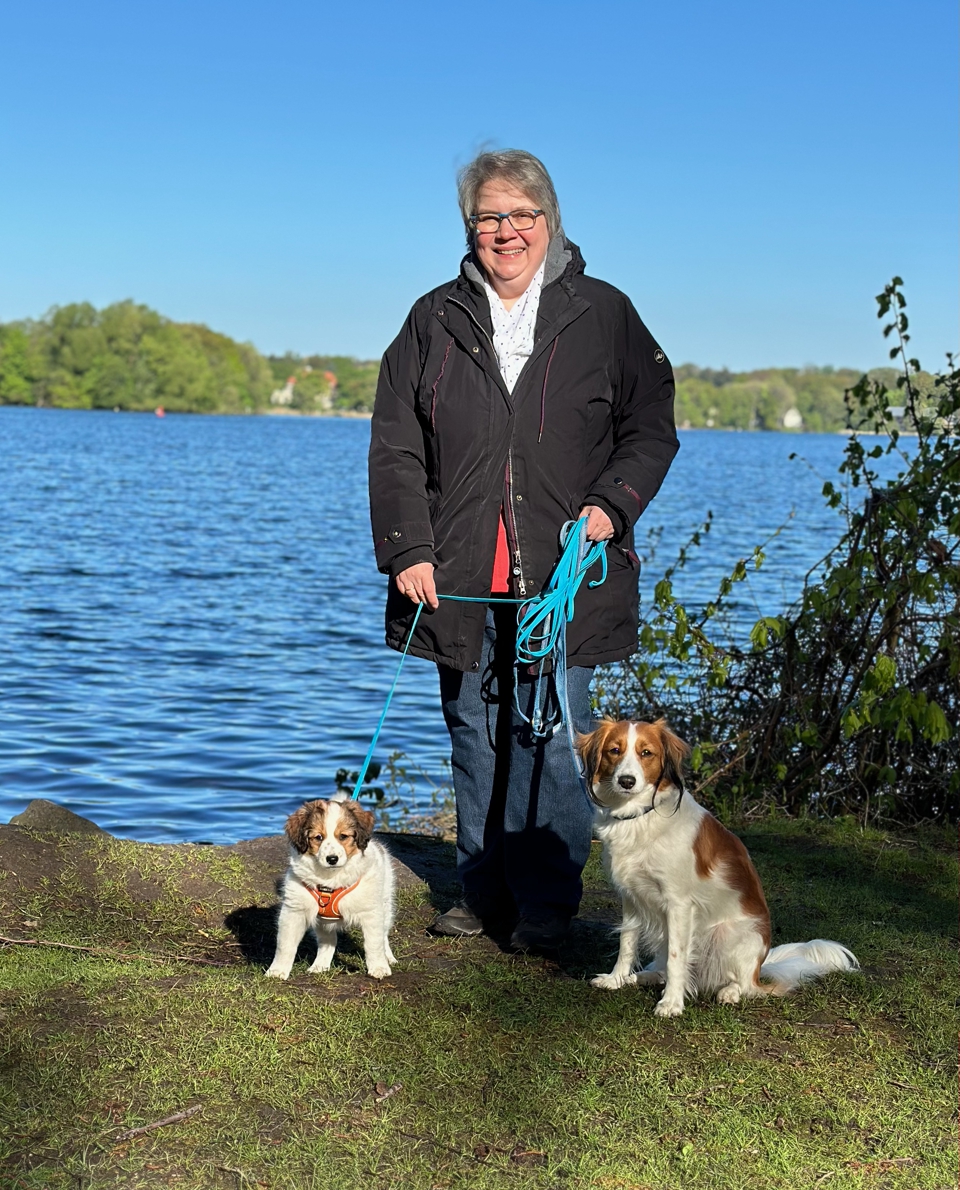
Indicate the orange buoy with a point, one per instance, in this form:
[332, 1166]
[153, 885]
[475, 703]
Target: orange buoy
[160, 411]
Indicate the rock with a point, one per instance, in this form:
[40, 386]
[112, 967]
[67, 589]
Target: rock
[267, 849]
[416, 859]
[44, 816]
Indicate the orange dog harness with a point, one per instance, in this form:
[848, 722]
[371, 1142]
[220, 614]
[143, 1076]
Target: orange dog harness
[328, 899]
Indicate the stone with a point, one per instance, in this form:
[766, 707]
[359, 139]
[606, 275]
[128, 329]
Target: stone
[43, 816]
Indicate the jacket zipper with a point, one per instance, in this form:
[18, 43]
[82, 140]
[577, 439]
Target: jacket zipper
[513, 539]
[473, 318]
[512, 535]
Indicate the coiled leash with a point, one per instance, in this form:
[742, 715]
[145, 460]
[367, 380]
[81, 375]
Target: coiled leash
[541, 639]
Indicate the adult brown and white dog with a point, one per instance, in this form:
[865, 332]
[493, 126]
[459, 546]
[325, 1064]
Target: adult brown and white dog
[690, 893]
[339, 877]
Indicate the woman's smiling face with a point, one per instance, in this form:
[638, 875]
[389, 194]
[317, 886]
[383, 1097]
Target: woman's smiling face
[509, 257]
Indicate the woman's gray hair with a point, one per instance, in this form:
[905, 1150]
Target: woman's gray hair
[521, 170]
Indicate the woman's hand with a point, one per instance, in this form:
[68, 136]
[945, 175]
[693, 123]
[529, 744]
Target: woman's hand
[416, 582]
[599, 525]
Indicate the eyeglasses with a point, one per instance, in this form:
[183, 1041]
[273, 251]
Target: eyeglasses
[518, 220]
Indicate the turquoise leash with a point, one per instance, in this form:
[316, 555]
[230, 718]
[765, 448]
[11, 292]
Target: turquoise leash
[541, 634]
[362, 775]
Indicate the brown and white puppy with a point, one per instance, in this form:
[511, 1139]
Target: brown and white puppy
[339, 877]
[690, 893]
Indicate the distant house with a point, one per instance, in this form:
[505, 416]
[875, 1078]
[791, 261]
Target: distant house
[284, 396]
[325, 399]
[793, 419]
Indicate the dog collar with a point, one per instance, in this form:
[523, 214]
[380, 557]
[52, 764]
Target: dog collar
[640, 813]
[328, 899]
[628, 817]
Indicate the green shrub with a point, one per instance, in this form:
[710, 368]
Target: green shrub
[848, 701]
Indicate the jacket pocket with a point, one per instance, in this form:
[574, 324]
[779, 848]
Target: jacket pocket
[626, 555]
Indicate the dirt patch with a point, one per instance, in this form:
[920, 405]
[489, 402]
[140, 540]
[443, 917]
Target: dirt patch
[63, 1010]
[29, 860]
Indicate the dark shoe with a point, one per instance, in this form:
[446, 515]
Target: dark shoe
[539, 936]
[458, 922]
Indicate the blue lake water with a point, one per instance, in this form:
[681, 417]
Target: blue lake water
[191, 632]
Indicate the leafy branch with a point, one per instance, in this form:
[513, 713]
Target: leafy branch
[847, 702]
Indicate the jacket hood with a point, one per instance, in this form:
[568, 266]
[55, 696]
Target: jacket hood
[563, 257]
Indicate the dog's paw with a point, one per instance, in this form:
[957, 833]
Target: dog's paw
[611, 982]
[378, 971]
[729, 995]
[275, 972]
[668, 1007]
[319, 968]
[650, 979]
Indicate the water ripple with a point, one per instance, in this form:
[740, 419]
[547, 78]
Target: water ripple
[192, 624]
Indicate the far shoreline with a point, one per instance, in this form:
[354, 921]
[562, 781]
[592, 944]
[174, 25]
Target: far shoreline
[363, 415]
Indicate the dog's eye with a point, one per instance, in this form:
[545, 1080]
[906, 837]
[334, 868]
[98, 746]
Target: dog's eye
[343, 837]
[614, 749]
[646, 752]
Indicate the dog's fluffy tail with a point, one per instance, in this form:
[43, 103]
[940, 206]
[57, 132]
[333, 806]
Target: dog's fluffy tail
[792, 964]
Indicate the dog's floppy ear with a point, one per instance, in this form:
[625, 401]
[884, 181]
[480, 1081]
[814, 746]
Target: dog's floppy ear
[364, 821]
[298, 825]
[590, 746]
[675, 752]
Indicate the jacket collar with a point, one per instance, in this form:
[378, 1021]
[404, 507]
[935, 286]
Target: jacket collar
[560, 304]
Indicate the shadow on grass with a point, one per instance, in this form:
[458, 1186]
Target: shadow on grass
[589, 948]
[839, 888]
[434, 861]
[255, 929]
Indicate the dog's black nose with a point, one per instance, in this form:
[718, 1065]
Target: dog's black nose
[333, 859]
[626, 782]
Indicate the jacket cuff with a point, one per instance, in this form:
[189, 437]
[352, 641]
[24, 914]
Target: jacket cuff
[401, 538]
[621, 526]
[400, 562]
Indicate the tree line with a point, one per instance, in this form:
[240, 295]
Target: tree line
[127, 356]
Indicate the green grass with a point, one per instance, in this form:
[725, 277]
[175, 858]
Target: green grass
[514, 1072]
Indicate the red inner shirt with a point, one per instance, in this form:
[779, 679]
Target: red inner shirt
[500, 584]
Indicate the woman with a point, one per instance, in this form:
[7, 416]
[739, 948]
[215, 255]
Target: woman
[519, 396]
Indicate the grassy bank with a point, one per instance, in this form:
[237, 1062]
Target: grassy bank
[470, 1067]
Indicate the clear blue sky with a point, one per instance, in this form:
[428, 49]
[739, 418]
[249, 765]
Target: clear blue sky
[750, 173]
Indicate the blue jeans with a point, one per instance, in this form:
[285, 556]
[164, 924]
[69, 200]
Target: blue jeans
[523, 822]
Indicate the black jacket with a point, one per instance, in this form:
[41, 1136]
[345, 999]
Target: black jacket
[590, 421]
